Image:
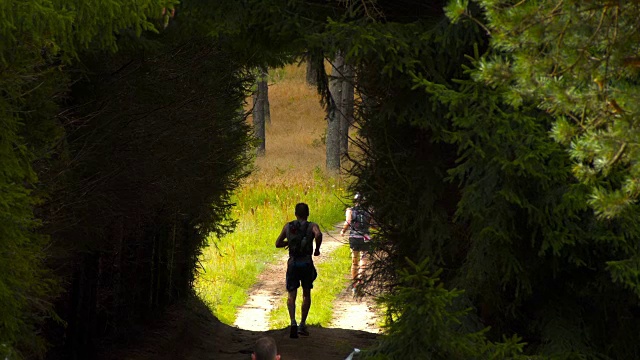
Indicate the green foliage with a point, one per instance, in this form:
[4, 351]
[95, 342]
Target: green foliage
[626, 272]
[158, 148]
[34, 35]
[24, 284]
[425, 322]
[40, 44]
[63, 27]
[265, 32]
[577, 61]
[529, 218]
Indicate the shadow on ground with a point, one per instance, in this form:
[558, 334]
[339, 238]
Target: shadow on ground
[190, 331]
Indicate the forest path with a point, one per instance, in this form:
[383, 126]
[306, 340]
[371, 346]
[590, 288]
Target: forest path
[354, 313]
[189, 331]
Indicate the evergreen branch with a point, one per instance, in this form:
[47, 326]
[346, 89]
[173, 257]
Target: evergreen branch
[618, 154]
[478, 22]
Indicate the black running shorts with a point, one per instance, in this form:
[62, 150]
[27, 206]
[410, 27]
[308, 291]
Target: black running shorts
[358, 244]
[300, 272]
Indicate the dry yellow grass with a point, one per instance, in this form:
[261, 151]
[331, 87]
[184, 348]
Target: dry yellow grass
[293, 139]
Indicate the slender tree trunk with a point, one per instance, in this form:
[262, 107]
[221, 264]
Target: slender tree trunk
[312, 71]
[84, 302]
[152, 273]
[172, 252]
[334, 115]
[346, 120]
[263, 92]
[258, 122]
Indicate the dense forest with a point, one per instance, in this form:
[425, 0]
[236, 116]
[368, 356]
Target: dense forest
[122, 142]
[496, 147]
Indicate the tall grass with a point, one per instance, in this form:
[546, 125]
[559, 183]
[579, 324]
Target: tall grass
[292, 171]
[231, 264]
[294, 141]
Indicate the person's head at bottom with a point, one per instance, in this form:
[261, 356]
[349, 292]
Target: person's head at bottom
[265, 349]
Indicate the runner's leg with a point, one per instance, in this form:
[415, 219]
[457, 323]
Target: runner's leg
[291, 305]
[362, 265]
[355, 260]
[306, 304]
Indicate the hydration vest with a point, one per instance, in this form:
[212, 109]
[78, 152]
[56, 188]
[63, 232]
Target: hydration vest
[360, 222]
[299, 240]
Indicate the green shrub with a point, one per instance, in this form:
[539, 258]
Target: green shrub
[424, 320]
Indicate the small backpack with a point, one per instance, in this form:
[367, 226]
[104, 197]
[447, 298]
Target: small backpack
[300, 243]
[360, 220]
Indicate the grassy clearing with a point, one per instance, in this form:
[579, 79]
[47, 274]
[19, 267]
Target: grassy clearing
[292, 171]
[330, 282]
[232, 264]
[294, 147]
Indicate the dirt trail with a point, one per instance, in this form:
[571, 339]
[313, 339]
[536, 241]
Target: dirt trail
[355, 313]
[270, 289]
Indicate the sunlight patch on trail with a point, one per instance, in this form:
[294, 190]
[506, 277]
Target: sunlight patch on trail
[254, 314]
[352, 314]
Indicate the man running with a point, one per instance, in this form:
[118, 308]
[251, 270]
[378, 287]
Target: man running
[298, 236]
[358, 222]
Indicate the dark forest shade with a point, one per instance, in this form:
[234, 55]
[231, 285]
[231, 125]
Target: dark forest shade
[159, 146]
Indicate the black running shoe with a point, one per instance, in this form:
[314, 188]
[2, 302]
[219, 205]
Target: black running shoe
[293, 333]
[302, 330]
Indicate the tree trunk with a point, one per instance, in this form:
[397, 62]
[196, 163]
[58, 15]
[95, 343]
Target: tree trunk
[258, 122]
[263, 92]
[84, 304]
[346, 119]
[334, 115]
[312, 72]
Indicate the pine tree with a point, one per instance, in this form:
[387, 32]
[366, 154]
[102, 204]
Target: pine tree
[578, 61]
[38, 38]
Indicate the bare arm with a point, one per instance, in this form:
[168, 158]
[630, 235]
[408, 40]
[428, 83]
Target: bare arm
[281, 241]
[347, 222]
[318, 236]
